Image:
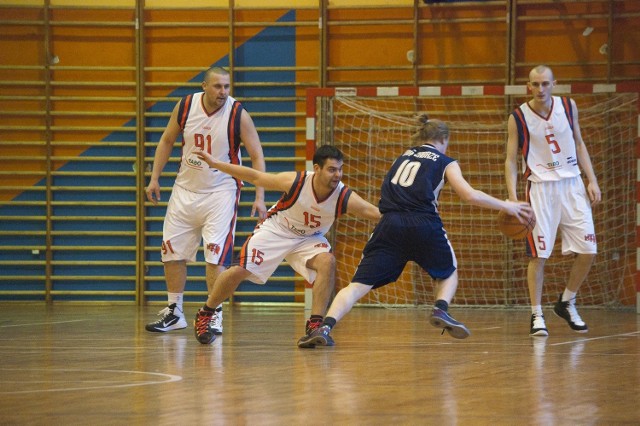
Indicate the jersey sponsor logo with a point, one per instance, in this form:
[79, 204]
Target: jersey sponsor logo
[213, 248]
[297, 231]
[550, 166]
[194, 163]
[590, 238]
[572, 161]
[293, 228]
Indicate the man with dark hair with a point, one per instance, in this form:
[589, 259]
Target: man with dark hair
[293, 231]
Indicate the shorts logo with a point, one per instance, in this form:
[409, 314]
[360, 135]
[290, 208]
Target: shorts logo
[213, 248]
[323, 245]
[591, 238]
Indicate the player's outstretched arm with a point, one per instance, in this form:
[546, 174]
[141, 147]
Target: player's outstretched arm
[358, 206]
[478, 198]
[275, 182]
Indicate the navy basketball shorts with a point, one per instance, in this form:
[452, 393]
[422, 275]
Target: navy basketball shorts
[402, 237]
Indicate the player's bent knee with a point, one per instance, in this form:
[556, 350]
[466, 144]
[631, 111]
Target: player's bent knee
[324, 262]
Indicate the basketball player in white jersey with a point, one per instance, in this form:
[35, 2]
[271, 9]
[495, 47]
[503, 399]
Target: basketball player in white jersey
[204, 201]
[546, 133]
[293, 230]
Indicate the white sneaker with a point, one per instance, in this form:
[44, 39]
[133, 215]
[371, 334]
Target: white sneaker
[216, 321]
[538, 327]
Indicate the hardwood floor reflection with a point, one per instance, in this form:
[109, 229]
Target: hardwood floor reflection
[97, 365]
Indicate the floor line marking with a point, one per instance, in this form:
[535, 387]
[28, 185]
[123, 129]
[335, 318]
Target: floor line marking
[595, 338]
[40, 323]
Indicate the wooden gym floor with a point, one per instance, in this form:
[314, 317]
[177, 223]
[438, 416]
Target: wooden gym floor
[86, 365]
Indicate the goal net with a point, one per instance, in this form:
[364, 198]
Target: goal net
[373, 126]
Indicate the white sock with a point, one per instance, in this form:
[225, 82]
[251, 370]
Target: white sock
[568, 295]
[536, 309]
[177, 299]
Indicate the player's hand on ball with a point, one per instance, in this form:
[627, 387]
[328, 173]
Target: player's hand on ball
[516, 221]
[523, 212]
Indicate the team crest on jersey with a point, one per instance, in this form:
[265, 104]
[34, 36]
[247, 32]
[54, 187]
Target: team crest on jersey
[213, 248]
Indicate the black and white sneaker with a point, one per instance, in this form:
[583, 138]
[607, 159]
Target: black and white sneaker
[538, 326]
[567, 311]
[216, 321]
[172, 318]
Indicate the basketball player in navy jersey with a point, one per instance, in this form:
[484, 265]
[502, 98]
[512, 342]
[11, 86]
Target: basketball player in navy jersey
[411, 230]
[546, 132]
[294, 230]
[204, 202]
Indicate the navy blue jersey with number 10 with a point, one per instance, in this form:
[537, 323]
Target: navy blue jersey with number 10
[414, 181]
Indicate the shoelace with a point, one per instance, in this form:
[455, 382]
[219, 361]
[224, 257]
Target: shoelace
[573, 312]
[165, 312]
[313, 326]
[538, 321]
[202, 323]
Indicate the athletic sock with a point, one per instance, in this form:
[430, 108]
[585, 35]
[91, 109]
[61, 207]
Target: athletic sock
[442, 305]
[568, 295]
[536, 309]
[175, 298]
[330, 322]
[208, 309]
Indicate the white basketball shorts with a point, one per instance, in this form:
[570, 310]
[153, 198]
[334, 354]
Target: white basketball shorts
[561, 206]
[193, 217]
[263, 252]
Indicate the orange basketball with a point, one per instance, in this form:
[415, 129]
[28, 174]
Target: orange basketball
[511, 227]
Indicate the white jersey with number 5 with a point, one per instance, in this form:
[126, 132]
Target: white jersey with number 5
[547, 144]
[218, 133]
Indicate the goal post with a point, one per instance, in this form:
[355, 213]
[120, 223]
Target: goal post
[372, 126]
